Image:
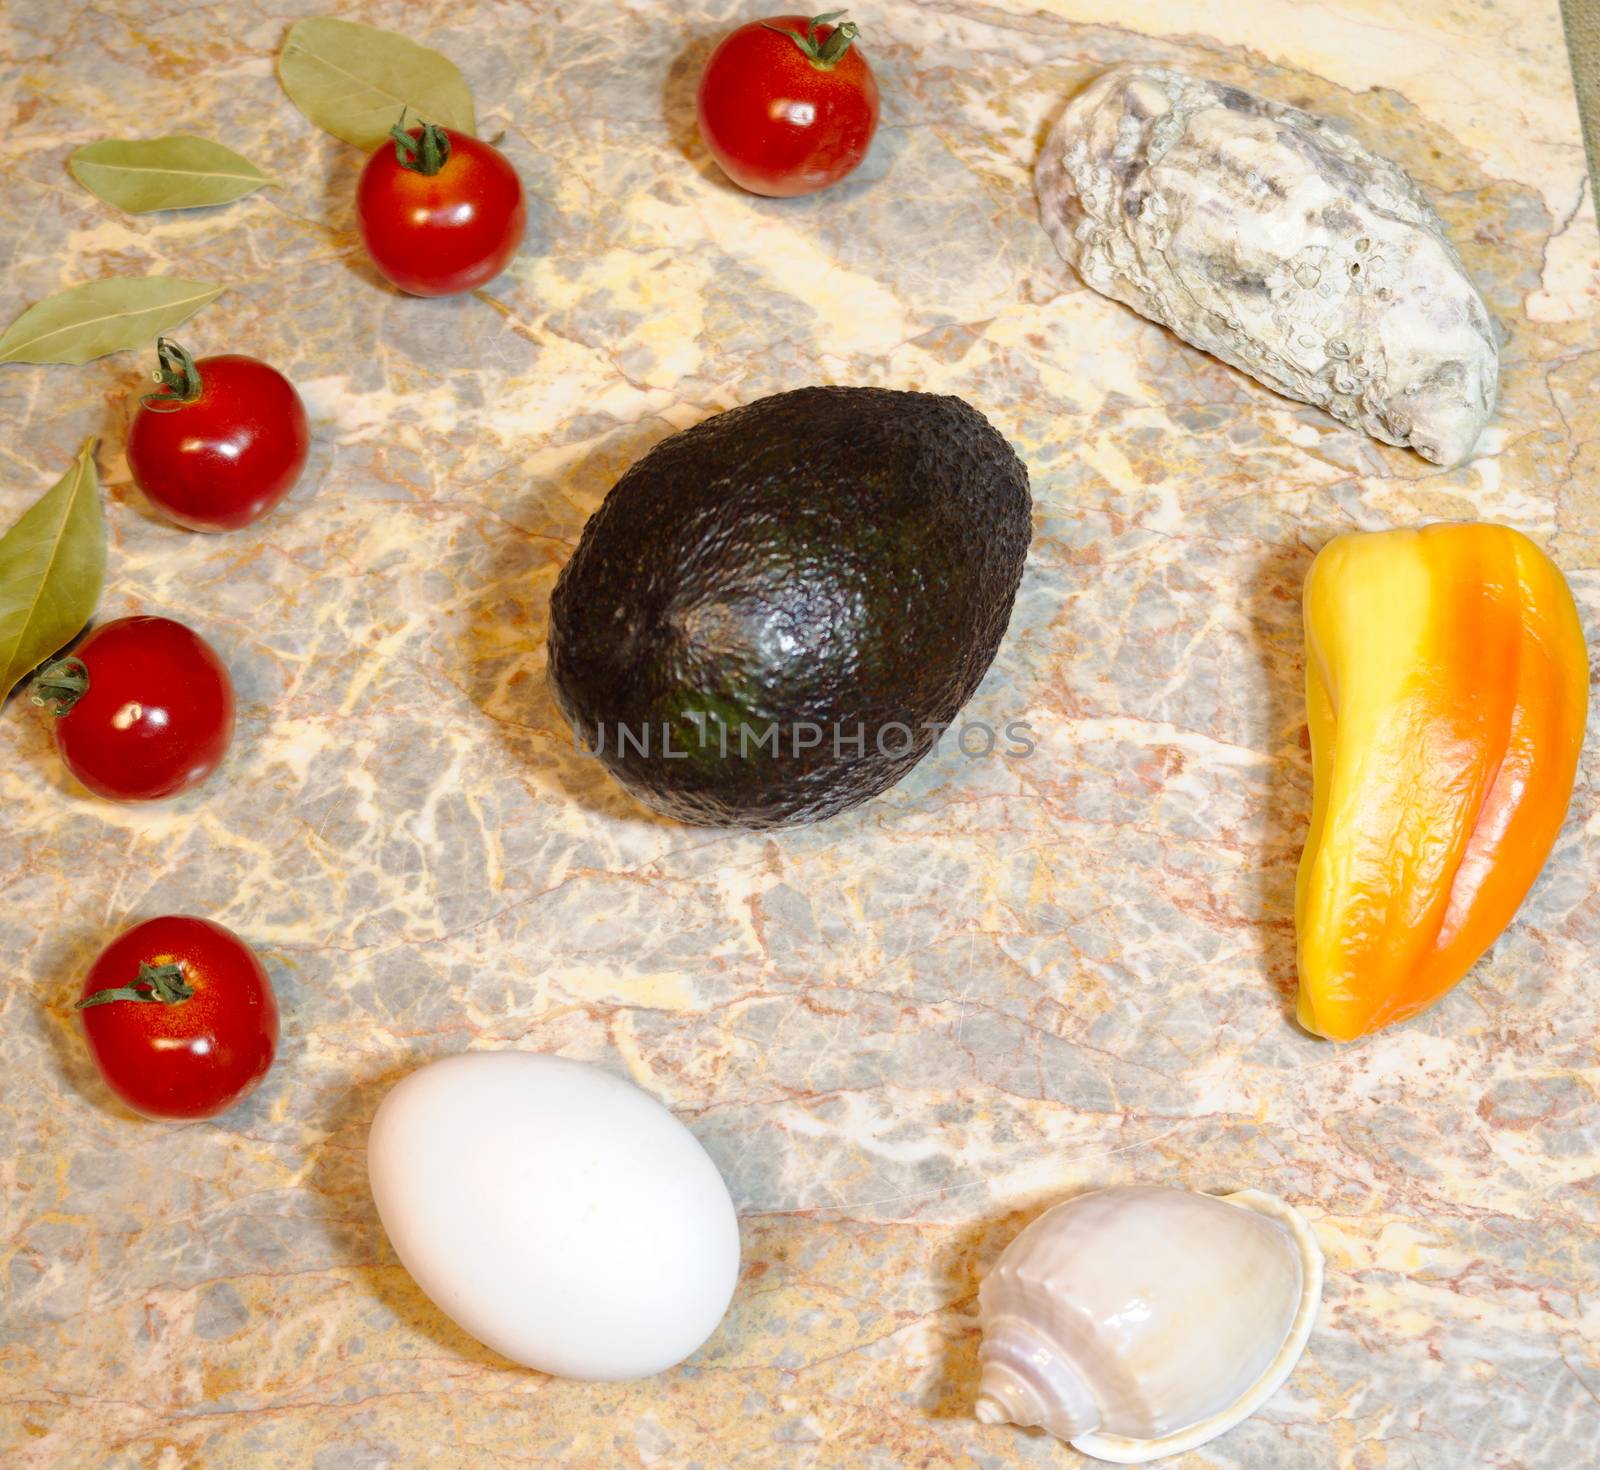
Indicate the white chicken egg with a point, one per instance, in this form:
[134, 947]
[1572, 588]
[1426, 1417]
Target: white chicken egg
[557, 1213]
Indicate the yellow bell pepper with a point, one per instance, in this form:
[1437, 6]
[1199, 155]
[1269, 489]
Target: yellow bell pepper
[1447, 685]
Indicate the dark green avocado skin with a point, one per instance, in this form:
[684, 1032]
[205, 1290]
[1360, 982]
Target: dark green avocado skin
[834, 558]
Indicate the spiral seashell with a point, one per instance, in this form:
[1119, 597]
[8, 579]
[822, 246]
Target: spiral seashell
[1141, 1322]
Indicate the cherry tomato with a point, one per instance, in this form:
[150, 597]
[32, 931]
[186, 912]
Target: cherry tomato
[788, 105]
[439, 211]
[180, 1017]
[144, 709]
[221, 443]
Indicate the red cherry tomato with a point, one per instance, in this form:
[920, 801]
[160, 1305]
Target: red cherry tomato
[144, 709]
[439, 211]
[221, 443]
[788, 105]
[180, 1017]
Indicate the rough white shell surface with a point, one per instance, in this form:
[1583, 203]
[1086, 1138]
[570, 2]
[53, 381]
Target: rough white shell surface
[1140, 1322]
[559, 1214]
[1262, 234]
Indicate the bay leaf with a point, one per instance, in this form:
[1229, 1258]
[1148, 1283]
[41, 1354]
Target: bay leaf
[52, 565]
[98, 317]
[352, 80]
[176, 172]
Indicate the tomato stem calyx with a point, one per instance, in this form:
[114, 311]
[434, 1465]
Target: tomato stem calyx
[60, 685]
[425, 155]
[178, 376]
[156, 985]
[821, 54]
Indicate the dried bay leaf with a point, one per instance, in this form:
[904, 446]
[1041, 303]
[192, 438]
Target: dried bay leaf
[52, 565]
[177, 172]
[352, 80]
[98, 317]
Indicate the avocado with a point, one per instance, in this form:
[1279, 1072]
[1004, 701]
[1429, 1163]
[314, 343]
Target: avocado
[774, 614]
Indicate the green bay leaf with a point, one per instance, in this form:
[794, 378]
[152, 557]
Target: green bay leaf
[98, 317]
[352, 80]
[177, 172]
[52, 565]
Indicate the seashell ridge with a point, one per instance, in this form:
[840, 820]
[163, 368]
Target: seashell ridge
[1141, 1322]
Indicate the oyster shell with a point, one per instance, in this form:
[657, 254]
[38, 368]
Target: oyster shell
[1141, 1322]
[1264, 235]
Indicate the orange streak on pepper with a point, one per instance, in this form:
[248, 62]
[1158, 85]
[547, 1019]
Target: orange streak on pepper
[1447, 686]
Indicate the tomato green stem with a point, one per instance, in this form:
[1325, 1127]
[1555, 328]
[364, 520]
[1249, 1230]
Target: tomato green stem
[821, 54]
[156, 985]
[60, 685]
[178, 376]
[425, 155]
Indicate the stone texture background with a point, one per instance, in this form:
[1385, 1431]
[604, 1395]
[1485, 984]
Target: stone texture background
[899, 1033]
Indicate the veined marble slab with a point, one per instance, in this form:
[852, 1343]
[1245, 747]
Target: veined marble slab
[899, 1033]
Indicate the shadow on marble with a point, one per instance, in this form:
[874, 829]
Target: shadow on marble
[65, 953]
[121, 406]
[1271, 604]
[1078, 79]
[512, 610]
[338, 1177]
[678, 89]
[339, 218]
[968, 1257]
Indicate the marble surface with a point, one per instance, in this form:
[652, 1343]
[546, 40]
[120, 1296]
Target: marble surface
[899, 1033]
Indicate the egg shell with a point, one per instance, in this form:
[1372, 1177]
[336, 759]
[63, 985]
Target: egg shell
[559, 1214]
